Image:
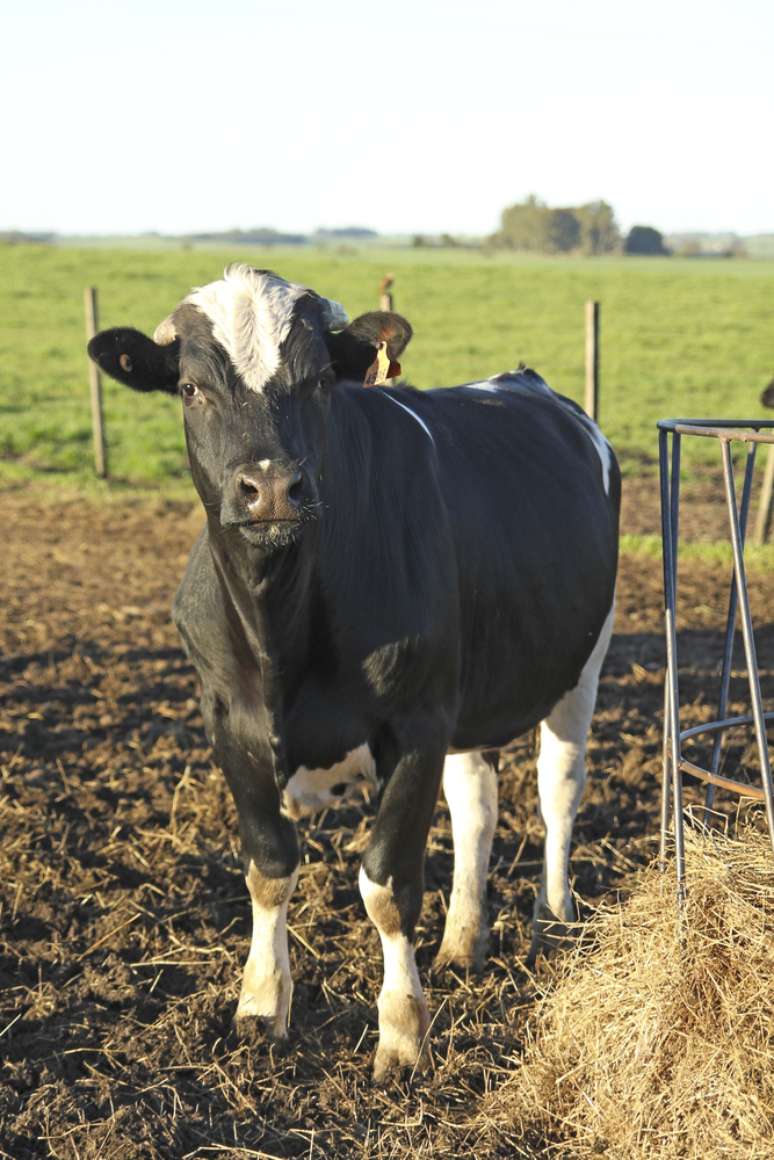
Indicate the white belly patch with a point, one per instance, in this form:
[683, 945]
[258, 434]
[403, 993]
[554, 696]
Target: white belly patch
[310, 790]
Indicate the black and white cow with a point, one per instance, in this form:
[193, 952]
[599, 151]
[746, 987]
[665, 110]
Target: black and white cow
[390, 586]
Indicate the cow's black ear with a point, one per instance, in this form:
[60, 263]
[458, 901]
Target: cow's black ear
[136, 360]
[767, 398]
[354, 350]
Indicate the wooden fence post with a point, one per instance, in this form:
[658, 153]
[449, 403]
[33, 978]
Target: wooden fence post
[592, 360]
[95, 387]
[763, 518]
[385, 295]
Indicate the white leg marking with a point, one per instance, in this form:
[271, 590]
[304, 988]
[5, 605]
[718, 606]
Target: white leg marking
[470, 788]
[310, 790]
[403, 1015]
[562, 775]
[266, 983]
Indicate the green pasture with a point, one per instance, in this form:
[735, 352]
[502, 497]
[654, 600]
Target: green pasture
[678, 338]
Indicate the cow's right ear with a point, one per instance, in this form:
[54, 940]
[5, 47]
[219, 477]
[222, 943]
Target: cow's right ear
[136, 360]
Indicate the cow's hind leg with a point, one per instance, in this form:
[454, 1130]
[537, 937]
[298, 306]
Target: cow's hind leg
[470, 789]
[561, 778]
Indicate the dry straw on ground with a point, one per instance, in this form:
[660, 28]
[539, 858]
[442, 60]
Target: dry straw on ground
[655, 1038]
[124, 920]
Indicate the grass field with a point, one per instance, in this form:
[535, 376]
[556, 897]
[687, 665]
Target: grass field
[678, 337]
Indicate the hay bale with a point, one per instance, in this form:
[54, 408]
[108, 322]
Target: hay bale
[655, 1038]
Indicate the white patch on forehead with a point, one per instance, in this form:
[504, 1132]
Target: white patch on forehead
[251, 315]
[310, 790]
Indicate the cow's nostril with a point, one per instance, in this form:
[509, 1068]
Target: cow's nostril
[296, 489]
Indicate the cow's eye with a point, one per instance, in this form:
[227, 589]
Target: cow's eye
[189, 391]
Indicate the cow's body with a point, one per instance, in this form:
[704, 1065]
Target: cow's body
[454, 590]
[462, 568]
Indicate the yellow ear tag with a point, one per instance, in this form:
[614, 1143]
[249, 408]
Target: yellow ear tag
[382, 364]
[379, 371]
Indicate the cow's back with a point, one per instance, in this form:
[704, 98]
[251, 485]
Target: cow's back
[532, 493]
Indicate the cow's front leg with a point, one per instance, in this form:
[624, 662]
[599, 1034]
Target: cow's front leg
[270, 861]
[392, 884]
[267, 986]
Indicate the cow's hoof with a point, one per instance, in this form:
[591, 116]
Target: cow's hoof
[467, 954]
[403, 1024]
[393, 1063]
[264, 1002]
[549, 934]
[261, 1019]
[254, 1030]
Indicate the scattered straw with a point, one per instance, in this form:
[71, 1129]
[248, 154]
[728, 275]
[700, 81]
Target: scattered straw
[655, 1038]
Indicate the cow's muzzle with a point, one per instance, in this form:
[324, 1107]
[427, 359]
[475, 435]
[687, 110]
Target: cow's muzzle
[265, 493]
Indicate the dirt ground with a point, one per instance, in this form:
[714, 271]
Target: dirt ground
[125, 920]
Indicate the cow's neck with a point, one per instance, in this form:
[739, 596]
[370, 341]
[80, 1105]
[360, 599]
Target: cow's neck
[269, 600]
[269, 592]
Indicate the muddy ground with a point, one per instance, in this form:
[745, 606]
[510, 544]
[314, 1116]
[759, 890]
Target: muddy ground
[124, 918]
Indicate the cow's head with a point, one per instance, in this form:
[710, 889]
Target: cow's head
[254, 359]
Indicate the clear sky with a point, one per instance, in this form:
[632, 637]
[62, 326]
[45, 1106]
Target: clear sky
[183, 115]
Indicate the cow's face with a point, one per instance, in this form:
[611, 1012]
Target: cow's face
[254, 359]
[254, 374]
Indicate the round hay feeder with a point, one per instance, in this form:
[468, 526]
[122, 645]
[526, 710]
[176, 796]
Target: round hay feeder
[749, 432]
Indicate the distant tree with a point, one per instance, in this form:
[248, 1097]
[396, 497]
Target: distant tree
[599, 229]
[645, 240]
[418, 241]
[691, 248]
[533, 225]
[523, 225]
[357, 232]
[24, 237]
[257, 236]
[448, 241]
[561, 231]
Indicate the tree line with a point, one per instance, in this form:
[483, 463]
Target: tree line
[586, 229]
